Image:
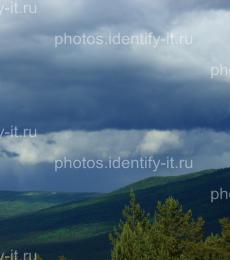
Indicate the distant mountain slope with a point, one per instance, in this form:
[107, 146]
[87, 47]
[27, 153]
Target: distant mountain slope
[157, 181]
[18, 203]
[80, 228]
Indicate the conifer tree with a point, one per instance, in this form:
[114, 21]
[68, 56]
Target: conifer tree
[129, 239]
[172, 235]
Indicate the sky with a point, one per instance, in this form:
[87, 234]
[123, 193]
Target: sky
[99, 101]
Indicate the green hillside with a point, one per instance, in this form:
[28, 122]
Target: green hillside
[19, 203]
[81, 228]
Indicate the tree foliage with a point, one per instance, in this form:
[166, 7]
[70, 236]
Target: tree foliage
[171, 234]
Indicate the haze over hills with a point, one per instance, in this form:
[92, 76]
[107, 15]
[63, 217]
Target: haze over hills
[81, 228]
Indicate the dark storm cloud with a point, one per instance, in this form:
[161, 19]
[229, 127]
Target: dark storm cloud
[117, 102]
[98, 87]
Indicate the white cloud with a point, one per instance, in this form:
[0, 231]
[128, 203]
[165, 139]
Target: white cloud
[206, 147]
[155, 141]
[78, 144]
[210, 46]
